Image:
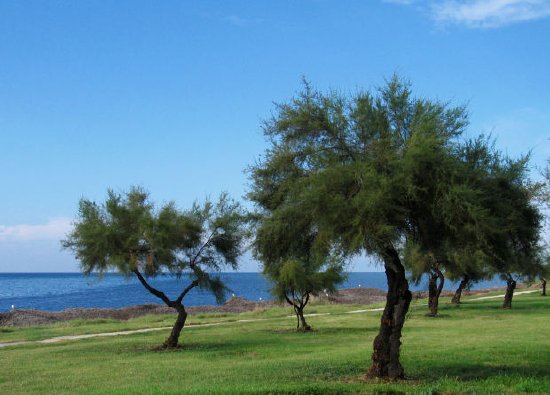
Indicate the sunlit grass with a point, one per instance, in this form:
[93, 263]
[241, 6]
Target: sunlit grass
[473, 348]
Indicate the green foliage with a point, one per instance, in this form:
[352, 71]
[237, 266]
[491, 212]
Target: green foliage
[128, 234]
[368, 170]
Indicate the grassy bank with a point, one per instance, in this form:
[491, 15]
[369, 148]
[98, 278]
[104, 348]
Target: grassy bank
[476, 347]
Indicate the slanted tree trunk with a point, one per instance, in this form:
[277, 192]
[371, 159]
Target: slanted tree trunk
[461, 287]
[435, 289]
[543, 285]
[387, 344]
[173, 340]
[510, 286]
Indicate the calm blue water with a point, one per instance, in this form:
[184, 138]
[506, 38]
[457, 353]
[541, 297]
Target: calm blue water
[58, 291]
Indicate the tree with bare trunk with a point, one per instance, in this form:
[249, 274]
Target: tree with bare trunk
[129, 235]
[510, 287]
[461, 287]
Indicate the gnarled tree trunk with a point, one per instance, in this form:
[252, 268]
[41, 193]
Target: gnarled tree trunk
[387, 344]
[173, 339]
[461, 287]
[510, 286]
[543, 285]
[434, 290]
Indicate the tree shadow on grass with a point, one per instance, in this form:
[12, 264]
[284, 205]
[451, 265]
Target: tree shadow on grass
[468, 372]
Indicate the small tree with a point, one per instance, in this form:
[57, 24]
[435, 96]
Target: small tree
[292, 261]
[127, 234]
[295, 281]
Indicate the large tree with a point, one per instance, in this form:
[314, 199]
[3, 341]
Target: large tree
[362, 167]
[129, 235]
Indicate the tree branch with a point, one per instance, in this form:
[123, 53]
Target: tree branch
[186, 290]
[307, 300]
[192, 263]
[289, 301]
[154, 291]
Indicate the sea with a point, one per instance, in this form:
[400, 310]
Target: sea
[59, 291]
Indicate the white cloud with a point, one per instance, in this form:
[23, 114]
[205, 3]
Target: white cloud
[482, 13]
[489, 13]
[54, 229]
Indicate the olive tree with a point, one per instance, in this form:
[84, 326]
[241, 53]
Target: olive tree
[128, 234]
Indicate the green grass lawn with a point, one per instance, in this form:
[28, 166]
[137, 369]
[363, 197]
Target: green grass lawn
[474, 348]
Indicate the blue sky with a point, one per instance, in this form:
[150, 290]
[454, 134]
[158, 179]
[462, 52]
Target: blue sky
[170, 95]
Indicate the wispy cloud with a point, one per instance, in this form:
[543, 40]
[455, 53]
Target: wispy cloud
[490, 13]
[482, 13]
[54, 229]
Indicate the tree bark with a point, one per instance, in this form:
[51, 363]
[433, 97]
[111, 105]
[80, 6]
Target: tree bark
[543, 287]
[510, 286]
[304, 325]
[173, 339]
[435, 290]
[387, 344]
[461, 287]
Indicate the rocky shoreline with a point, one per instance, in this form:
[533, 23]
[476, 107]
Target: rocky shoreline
[233, 305]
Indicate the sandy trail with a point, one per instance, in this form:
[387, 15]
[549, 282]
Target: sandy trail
[145, 330]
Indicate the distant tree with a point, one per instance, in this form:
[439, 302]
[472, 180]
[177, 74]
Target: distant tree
[129, 235]
[296, 281]
[494, 227]
[512, 241]
[421, 264]
[468, 274]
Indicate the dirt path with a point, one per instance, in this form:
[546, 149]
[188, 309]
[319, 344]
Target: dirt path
[145, 330]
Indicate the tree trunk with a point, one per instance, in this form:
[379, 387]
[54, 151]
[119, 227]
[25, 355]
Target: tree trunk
[543, 287]
[173, 339]
[304, 326]
[435, 290]
[386, 346]
[510, 286]
[458, 293]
